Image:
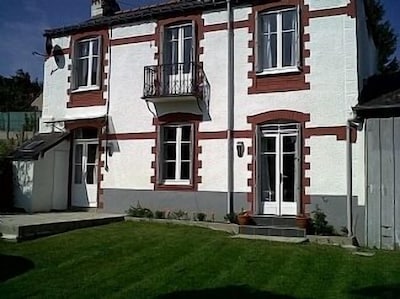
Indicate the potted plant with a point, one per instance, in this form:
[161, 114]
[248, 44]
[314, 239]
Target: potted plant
[302, 221]
[244, 218]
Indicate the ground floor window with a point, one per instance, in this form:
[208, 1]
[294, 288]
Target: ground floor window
[176, 154]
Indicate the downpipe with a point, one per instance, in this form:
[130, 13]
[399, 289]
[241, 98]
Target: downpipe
[230, 109]
[352, 123]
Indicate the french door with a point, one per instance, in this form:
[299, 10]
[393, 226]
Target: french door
[177, 59]
[84, 179]
[279, 169]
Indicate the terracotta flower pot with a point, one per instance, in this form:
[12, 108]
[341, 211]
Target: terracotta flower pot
[302, 222]
[244, 219]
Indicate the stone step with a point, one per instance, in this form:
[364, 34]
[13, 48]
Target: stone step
[287, 221]
[264, 230]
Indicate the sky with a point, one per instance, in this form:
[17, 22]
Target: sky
[22, 23]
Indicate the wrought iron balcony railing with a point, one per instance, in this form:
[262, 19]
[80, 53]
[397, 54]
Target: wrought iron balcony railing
[175, 80]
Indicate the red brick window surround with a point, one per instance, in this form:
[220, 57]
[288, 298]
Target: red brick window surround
[176, 152]
[198, 27]
[278, 73]
[87, 77]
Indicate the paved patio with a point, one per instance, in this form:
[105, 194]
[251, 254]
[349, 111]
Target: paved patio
[29, 226]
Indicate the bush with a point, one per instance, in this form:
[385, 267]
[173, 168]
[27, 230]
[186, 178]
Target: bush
[140, 212]
[6, 175]
[201, 216]
[320, 225]
[231, 217]
[159, 214]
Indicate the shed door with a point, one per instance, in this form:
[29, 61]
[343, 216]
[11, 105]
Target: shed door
[383, 182]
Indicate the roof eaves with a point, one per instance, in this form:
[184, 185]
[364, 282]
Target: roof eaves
[142, 13]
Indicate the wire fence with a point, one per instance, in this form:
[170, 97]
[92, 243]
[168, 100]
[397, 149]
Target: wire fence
[18, 124]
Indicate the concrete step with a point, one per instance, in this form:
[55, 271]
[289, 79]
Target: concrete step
[295, 240]
[31, 227]
[270, 230]
[265, 220]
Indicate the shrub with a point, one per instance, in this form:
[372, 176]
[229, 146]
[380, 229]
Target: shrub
[201, 216]
[231, 217]
[159, 214]
[320, 225]
[140, 212]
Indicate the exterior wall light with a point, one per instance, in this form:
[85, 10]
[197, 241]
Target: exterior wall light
[240, 149]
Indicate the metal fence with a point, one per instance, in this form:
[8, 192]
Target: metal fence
[18, 123]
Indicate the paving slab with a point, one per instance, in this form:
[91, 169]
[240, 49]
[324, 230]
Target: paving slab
[17, 227]
[295, 240]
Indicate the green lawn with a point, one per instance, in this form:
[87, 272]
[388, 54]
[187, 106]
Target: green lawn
[144, 260]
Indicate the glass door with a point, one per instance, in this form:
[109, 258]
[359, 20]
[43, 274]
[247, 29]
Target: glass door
[279, 169]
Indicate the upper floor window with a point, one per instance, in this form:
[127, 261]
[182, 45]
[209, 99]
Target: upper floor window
[87, 64]
[278, 41]
[176, 154]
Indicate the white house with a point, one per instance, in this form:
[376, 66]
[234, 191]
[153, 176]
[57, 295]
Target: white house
[211, 106]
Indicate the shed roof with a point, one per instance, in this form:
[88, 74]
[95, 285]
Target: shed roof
[382, 92]
[38, 145]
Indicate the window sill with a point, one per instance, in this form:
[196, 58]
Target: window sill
[86, 88]
[175, 183]
[287, 70]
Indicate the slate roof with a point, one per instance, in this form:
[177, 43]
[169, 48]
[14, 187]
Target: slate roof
[382, 92]
[142, 14]
[37, 146]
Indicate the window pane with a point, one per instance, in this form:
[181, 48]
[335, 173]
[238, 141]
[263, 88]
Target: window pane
[92, 153]
[289, 44]
[268, 177]
[289, 20]
[83, 49]
[268, 144]
[170, 151]
[82, 70]
[187, 55]
[185, 151]
[90, 174]
[269, 23]
[270, 51]
[185, 170]
[186, 130]
[289, 144]
[169, 170]
[288, 177]
[95, 47]
[187, 31]
[78, 174]
[78, 153]
[95, 61]
[169, 134]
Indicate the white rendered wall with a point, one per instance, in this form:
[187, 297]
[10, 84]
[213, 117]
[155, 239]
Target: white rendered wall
[130, 166]
[325, 4]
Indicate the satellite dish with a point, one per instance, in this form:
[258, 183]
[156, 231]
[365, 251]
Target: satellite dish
[49, 45]
[58, 54]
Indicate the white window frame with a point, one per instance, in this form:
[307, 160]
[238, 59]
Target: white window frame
[279, 69]
[89, 57]
[178, 158]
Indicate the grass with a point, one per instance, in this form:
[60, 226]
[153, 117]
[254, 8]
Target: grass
[148, 260]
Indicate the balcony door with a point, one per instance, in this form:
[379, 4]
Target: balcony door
[177, 68]
[279, 169]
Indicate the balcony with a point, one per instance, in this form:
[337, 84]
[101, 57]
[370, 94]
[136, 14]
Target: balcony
[176, 83]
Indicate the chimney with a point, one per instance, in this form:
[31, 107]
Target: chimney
[103, 8]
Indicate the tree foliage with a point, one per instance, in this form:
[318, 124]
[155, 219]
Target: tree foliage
[18, 92]
[384, 36]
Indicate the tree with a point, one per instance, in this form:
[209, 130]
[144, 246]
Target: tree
[384, 36]
[18, 92]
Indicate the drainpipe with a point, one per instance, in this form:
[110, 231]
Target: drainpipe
[349, 171]
[230, 107]
[352, 122]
